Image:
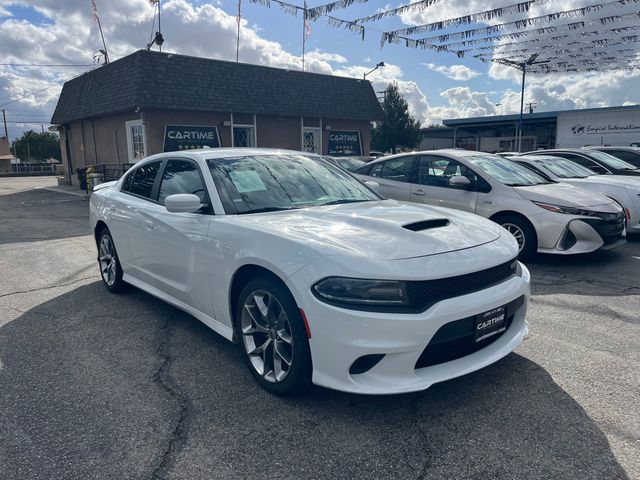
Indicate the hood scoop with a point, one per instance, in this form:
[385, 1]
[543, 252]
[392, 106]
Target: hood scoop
[426, 224]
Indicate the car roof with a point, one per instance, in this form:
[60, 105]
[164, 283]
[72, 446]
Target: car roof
[223, 152]
[538, 157]
[612, 147]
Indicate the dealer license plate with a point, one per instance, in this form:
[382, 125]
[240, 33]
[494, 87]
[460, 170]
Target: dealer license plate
[491, 323]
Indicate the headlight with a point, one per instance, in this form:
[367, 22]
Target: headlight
[359, 291]
[568, 210]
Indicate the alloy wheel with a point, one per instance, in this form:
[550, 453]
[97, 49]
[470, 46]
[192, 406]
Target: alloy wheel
[266, 335]
[517, 232]
[107, 260]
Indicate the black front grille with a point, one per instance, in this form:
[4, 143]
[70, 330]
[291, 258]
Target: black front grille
[457, 339]
[423, 294]
[609, 226]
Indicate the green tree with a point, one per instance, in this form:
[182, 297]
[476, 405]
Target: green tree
[398, 129]
[36, 146]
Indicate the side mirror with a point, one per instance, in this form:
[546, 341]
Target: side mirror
[182, 203]
[371, 184]
[459, 181]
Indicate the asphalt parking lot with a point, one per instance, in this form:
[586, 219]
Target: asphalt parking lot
[94, 385]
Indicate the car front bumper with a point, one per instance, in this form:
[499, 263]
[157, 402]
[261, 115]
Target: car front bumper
[341, 336]
[562, 234]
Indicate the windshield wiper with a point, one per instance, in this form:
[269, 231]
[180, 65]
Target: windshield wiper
[342, 200]
[266, 209]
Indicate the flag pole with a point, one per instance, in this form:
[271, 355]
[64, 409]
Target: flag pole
[159, 26]
[96, 17]
[238, 19]
[304, 32]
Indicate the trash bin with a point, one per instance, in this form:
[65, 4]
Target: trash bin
[82, 178]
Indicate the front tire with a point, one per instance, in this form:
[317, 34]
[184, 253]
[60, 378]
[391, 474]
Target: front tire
[523, 232]
[273, 337]
[110, 269]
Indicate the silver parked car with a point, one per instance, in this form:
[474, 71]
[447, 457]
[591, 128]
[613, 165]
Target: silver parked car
[625, 190]
[543, 216]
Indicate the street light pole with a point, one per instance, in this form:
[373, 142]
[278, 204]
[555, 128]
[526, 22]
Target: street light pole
[524, 75]
[380, 64]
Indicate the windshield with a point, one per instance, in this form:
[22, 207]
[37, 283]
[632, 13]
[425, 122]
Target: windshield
[505, 171]
[611, 161]
[563, 168]
[262, 183]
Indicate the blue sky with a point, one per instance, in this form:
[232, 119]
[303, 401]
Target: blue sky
[436, 85]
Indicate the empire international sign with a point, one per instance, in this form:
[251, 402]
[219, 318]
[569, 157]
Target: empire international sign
[190, 137]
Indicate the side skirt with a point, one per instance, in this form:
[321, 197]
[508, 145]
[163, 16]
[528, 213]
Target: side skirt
[212, 323]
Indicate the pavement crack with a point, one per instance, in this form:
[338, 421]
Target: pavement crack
[48, 287]
[426, 441]
[162, 378]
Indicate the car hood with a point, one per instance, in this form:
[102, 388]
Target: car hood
[385, 230]
[562, 194]
[620, 180]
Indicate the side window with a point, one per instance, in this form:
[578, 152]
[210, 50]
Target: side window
[376, 170]
[181, 176]
[143, 179]
[436, 171]
[625, 155]
[398, 169]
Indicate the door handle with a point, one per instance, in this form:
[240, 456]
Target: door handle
[149, 225]
[420, 193]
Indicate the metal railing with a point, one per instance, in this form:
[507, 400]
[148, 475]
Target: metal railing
[108, 172]
[34, 169]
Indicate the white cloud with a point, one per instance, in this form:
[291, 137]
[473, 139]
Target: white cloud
[454, 72]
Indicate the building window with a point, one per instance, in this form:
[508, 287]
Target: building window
[244, 136]
[311, 140]
[136, 143]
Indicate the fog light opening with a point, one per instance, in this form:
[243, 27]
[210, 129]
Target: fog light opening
[365, 363]
[569, 240]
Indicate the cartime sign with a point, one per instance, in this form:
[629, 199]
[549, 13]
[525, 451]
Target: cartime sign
[189, 137]
[345, 142]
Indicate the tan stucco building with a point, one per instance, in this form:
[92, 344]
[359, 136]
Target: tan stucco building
[150, 102]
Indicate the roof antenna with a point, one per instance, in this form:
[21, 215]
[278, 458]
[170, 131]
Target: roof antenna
[158, 39]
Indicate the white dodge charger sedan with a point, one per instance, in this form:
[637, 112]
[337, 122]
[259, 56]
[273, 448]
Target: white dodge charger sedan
[311, 272]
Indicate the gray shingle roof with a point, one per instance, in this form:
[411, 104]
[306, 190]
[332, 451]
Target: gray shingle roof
[153, 80]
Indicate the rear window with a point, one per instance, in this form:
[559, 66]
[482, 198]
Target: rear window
[143, 179]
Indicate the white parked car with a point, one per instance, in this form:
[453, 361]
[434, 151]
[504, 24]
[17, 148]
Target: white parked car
[543, 216]
[316, 277]
[625, 190]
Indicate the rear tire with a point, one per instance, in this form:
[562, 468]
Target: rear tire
[109, 264]
[273, 337]
[522, 231]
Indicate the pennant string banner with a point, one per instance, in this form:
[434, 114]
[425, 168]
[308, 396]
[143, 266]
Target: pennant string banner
[518, 24]
[544, 30]
[315, 12]
[570, 45]
[485, 16]
[411, 7]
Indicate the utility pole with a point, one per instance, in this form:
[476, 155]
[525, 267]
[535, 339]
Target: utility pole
[4, 116]
[531, 105]
[28, 153]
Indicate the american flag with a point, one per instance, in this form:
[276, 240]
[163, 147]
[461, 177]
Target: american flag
[94, 12]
